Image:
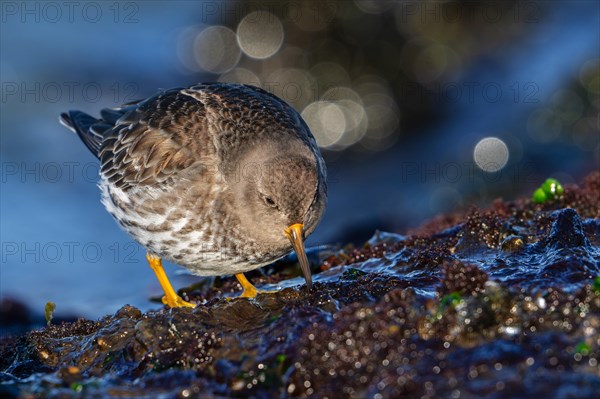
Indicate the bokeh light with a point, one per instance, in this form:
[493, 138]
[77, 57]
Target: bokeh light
[293, 85]
[326, 120]
[241, 75]
[216, 49]
[260, 34]
[490, 154]
[330, 74]
[383, 116]
[185, 48]
[357, 97]
[364, 70]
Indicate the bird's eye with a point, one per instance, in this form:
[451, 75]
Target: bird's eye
[269, 201]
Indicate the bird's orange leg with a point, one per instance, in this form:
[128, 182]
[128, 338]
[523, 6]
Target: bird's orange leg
[250, 291]
[171, 298]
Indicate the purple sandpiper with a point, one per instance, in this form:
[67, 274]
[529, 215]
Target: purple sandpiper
[218, 178]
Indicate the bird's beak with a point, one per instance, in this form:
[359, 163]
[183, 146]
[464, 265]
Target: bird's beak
[295, 234]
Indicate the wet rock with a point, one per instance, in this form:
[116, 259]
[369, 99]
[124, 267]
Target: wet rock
[567, 230]
[375, 350]
[462, 279]
[498, 302]
[481, 231]
[591, 228]
[381, 237]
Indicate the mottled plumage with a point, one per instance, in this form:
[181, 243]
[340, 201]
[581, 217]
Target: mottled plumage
[209, 176]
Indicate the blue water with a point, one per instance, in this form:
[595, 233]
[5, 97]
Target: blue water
[58, 243]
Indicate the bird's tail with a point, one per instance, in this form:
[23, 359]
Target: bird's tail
[83, 124]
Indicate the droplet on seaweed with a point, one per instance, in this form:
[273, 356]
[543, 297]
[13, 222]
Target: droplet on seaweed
[552, 188]
[512, 243]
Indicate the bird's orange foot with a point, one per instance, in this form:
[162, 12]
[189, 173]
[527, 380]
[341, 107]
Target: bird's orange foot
[249, 291]
[176, 302]
[171, 298]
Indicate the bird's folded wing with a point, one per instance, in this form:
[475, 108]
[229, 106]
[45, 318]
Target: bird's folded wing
[154, 140]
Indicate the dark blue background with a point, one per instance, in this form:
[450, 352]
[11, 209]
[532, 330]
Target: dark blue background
[59, 244]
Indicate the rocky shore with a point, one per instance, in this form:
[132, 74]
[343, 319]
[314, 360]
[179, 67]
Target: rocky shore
[496, 302]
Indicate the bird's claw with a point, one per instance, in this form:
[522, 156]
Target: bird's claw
[176, 302]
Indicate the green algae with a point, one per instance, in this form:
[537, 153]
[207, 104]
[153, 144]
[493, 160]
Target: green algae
[596, 285]
[548, 191]
[49, 310]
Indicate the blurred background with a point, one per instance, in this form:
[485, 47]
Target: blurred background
[420, 107]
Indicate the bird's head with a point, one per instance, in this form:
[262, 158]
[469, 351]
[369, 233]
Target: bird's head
[279, 197]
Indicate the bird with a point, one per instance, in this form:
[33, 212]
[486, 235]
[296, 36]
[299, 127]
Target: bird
[219, 178]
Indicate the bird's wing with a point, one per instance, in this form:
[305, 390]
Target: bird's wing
[153, 140]
[242, 114]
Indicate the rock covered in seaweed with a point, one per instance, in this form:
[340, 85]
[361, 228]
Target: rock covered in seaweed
[492, 302]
